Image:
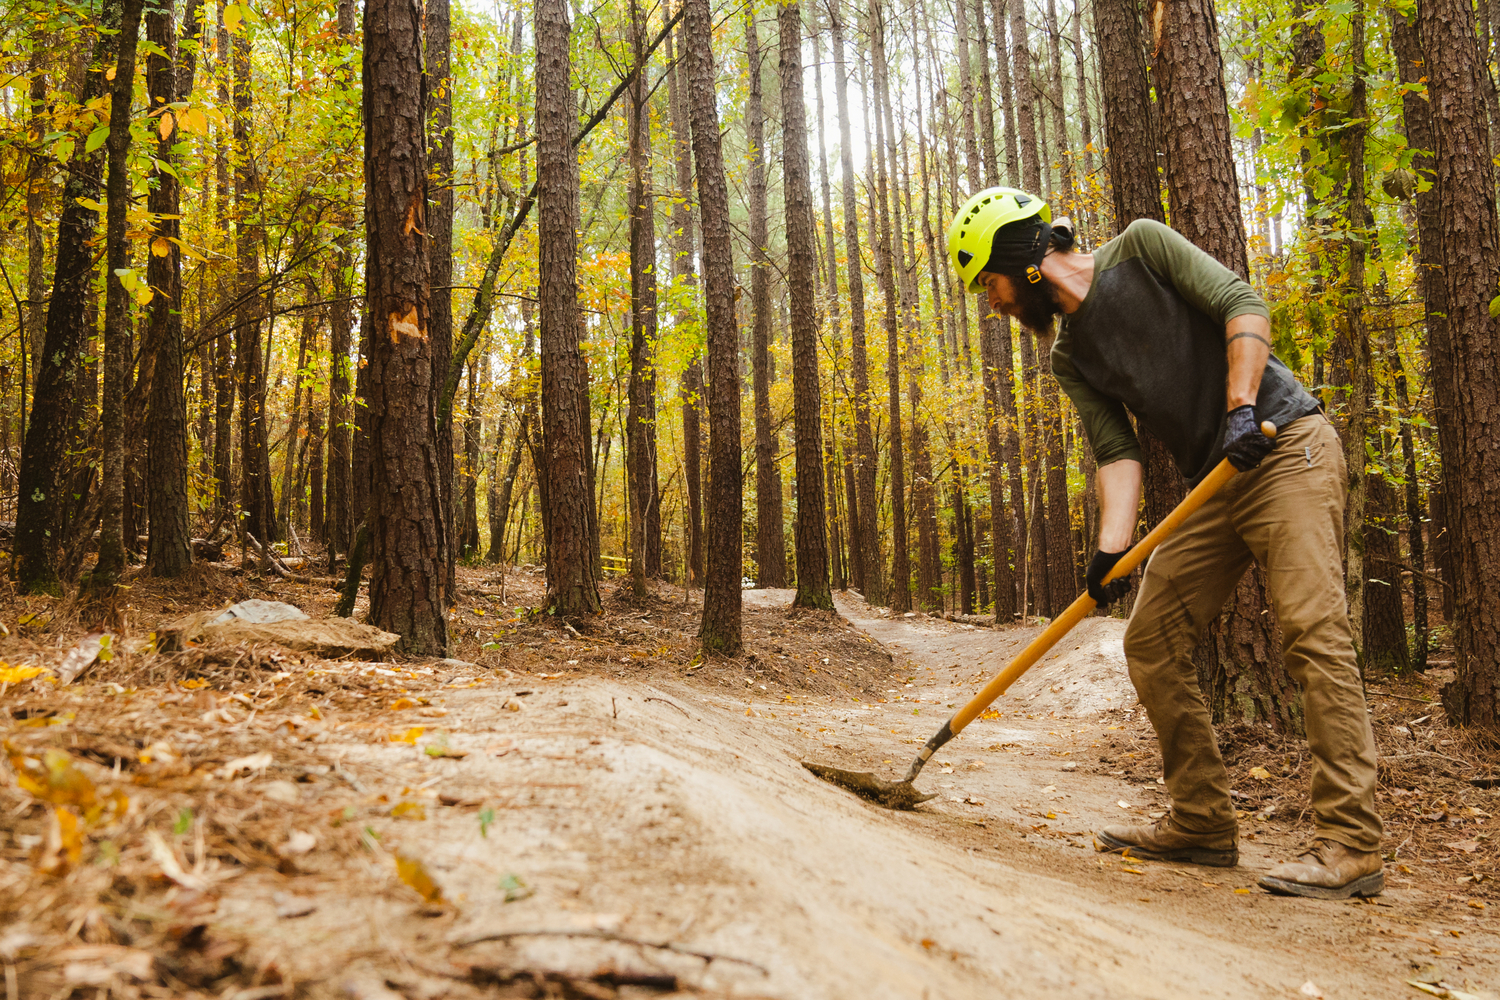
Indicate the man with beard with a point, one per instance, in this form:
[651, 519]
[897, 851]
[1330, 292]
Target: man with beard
[1154, 328]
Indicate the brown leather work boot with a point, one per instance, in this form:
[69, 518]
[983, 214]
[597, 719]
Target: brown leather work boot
[1165, 841]
[1328, 870]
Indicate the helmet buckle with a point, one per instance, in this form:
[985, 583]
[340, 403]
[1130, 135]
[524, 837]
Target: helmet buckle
[1033, 275]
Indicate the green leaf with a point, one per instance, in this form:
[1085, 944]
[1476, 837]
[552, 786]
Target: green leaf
[184, 822]
[1495, 307]
[96, 138]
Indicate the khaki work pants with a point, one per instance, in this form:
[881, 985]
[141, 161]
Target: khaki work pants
[1287, 515]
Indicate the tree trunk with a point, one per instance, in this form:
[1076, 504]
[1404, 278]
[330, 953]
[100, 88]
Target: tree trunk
[885, 266]
[1469, 251]
[1355, 333]
[41, 512]
[468, 543]
[836, 337]
[1417, 115]
[720, 631]
[865, 563]
[1239, 652]
[572, 589]
[170, 78]
[285, 508]
[641, 419]
[770, 548]
[683, 274]
[408, 548]
[339, 523]
[1384, 626]
[117, 298]
[802, 273]
[438, 83]
[256, 499]
[315, 470]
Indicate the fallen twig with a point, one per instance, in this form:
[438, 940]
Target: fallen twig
[1403, 697]
[706, 956]
[672, 703]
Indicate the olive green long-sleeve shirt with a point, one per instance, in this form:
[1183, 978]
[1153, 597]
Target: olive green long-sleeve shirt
[1149, 339]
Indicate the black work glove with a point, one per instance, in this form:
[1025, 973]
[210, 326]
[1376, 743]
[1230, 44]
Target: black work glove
[1244, 444]
[1105, 594]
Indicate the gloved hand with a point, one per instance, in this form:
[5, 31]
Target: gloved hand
[1105, 594]
[1244, 444]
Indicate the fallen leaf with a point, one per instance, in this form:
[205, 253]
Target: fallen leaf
[1477, 904]
[436, 751]
[54, 779]
[1261, 774]
[409, 810]
[401, 704]
[300, 842]
[1134, 871]
[410, 736]
[15, 675]
[64, 848]
[1123, 804]
[1243, 892]
[1467, 846]
[1309, 989]
[414, 873]
[515, 888]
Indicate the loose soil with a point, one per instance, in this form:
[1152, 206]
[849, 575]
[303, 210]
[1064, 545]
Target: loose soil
[602, 812]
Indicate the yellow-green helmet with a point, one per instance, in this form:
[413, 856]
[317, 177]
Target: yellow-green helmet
[972, 230]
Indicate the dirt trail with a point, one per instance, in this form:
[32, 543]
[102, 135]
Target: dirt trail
[664, 812]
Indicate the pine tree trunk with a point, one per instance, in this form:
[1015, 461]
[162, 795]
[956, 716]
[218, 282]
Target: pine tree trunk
[1385, 650]
[315, 523]
[885, 264]
[44, 474]
[437, 28]
[1007, 95]
[770, 550]
[468, 543]
[256, 498]
[1239, 652]
[170, 77]
[284, 507]
[572, 590]
[408, 547]
[802, 274]
[720, 631]
[1417, 116]
[339, 523]
[683, 247]
[866, 565]
[1469, 251]
[831, 464]
[641, 419]
[117, 350]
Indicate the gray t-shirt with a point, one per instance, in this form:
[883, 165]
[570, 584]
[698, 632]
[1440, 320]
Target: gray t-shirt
[1149, 338]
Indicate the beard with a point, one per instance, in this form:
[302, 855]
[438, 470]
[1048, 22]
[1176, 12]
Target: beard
[1038, 304]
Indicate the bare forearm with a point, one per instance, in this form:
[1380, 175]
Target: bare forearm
[1119, 485]
[1248, 343]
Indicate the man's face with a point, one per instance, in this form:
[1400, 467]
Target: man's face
[1033, 305]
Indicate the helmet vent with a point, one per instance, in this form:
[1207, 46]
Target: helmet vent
[964, 257]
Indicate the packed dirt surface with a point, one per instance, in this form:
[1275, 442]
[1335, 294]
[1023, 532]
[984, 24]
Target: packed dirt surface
[600, 812]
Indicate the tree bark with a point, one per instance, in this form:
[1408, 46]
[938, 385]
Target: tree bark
[684, 276]
[340, 522]
[865, 563]
[1384, 625]
[1469, 251]
[831, 464]
[408, 548]
[117, 299]
[720, 631]
[641, 419]
[770, 533]
[572, 590]
[802, 273]
[1417, 116]
[41, 513]
[885, 265]
[438, 82]
[256, 498]
[1239, 651]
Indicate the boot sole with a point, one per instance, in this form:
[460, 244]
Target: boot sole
[1210, 857]
[1365, 886]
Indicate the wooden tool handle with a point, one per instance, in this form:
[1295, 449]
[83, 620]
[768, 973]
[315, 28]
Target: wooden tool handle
[1080, 608]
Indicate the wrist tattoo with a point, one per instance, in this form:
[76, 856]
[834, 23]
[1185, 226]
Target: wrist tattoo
[1246, 333]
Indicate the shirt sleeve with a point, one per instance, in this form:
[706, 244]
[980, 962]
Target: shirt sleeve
[1105, 422]
[1208, 285]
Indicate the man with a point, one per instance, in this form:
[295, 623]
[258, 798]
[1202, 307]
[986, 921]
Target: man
[1154, 327]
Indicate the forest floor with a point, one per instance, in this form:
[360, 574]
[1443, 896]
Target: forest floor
[604, 814]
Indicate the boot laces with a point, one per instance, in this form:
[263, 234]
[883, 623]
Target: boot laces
[1319, 851]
